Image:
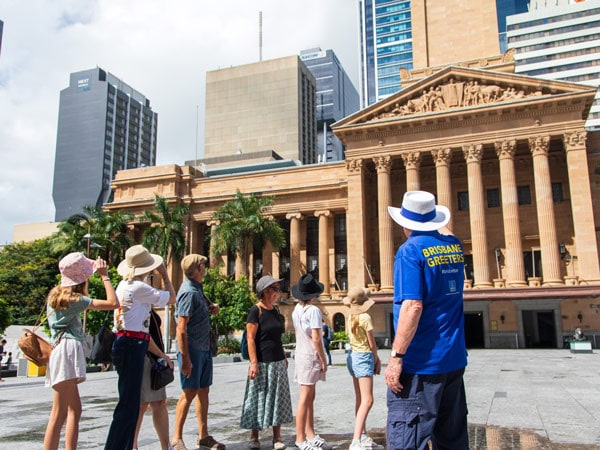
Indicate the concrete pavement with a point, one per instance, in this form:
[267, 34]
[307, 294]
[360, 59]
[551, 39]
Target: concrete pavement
[521, 399]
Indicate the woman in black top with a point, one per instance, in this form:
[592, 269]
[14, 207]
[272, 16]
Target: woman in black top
[267, 401]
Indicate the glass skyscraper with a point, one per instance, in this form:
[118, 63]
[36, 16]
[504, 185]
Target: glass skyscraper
[386, 30]
[104, 125]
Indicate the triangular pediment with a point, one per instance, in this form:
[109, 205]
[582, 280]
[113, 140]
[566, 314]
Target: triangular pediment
[457, 88]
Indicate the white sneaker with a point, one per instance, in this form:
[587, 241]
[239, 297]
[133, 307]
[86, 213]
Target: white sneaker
[356, 445]
[319, 442]
[305, 446]
[369, 444]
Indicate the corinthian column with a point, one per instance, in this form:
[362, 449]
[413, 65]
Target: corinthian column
[386, 238]
[324, 250]
[295, 244]
[355, 223]
[545, 211]
[481, 268]
[581, 205]
[510, 214]
[412, 162]
[442, 158]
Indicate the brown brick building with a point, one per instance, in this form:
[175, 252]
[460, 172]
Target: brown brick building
[507, 154]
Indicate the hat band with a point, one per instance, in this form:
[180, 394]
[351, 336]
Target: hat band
[416, 216]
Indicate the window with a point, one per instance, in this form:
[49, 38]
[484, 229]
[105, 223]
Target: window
[557, 192]
[524, 195]
[463, 201]
[493, 198]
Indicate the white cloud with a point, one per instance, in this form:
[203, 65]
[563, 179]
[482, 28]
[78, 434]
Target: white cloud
[162, 49]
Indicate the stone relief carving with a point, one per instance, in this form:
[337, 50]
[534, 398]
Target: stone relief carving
[455, 94]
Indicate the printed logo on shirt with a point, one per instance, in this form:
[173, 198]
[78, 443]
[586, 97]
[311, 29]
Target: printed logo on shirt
[452, 285]
[437, 255]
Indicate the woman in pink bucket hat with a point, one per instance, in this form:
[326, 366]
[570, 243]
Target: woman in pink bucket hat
[66, 367]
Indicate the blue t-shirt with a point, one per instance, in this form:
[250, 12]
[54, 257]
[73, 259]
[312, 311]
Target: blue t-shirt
[192, 304]
[429, 267]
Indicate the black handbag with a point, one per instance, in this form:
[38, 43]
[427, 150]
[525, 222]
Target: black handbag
[102, 345]
[160, 374]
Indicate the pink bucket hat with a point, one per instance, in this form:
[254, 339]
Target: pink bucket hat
[75, 268]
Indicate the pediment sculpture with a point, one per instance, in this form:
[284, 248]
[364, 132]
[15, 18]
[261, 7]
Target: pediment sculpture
[455, 94]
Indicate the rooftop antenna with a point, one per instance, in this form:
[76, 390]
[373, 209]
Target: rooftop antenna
[260, 35]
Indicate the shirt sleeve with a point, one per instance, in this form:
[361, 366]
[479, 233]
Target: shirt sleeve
[367, 322]
[147, 294]
[411, 274]
[315, 319]
[252, 315]
[184, 304]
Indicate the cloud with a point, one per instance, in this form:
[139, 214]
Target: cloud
[161, 49]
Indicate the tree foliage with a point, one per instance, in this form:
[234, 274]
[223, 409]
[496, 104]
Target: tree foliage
[166, 233]
[5, 316]
[234, 297]
[96, 290]
[27, 273]
[242, 224]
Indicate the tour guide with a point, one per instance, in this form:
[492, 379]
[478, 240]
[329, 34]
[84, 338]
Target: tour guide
[426, 396]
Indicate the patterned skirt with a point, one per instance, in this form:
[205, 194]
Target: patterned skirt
[267, 400]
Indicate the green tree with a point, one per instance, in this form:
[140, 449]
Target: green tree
[242, 224]
[166, 233]
[5, 316]
[27, 273]
[234, 297]
[96, 290]
[95, 233]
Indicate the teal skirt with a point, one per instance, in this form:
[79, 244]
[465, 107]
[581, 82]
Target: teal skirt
[267, 401]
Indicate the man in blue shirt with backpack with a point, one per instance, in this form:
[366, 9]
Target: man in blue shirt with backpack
[426, 396]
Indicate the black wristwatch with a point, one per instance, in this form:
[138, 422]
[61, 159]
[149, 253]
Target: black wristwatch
[395, 354]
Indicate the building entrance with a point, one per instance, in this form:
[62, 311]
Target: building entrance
[539, 329]
[474, 335]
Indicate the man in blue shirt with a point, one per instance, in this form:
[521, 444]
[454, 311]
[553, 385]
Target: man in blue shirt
[194, 356]
[426, 396]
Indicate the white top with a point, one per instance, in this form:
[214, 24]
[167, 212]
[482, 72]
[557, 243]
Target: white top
[136, 299]
[306, 318]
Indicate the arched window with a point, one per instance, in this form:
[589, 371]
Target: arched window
[339, 322]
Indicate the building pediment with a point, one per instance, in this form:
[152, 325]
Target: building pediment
[457, 88]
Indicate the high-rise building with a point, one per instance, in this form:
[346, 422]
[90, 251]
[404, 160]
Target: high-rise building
[336, 98]
[559, 40]
[414, 34]
[267, 105]
[104, 125]
[1, 31]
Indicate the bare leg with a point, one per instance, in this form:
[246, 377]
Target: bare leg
[181, 411]
[310, 414]
[143, 407]
[276, 433]
[160, 418]
[202, 412]
[66, 406]
[302, 411]
[366, 395]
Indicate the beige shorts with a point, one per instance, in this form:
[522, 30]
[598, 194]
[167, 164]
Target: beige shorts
[149, 394]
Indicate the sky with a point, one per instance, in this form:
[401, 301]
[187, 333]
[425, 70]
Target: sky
[162, 49]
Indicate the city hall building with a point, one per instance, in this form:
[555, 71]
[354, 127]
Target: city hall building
[508, 154]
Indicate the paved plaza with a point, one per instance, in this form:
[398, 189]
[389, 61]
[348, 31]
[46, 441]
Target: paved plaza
[518, 399]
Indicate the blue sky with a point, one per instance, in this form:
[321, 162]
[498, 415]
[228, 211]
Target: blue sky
[162, 49]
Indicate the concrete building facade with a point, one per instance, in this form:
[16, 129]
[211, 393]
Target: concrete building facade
[336, 98]
[508, 154]
[267, 105]
[104, 126]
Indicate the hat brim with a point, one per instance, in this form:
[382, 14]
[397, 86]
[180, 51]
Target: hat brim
[306, 296]
[124, 269]
[359, 309]
[441, 219]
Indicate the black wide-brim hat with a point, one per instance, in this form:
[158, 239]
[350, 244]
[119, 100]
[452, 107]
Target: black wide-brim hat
[308, 287]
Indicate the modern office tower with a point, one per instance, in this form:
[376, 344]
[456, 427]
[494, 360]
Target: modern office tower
[104, 125]
[415, 34]
[267, 105]
[1, 30]
[559, 40]
[336, 98]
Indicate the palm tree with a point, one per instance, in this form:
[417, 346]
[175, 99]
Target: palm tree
[166, 233]
[242, 224]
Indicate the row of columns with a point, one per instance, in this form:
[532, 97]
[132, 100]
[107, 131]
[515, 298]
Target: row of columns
[581, 205]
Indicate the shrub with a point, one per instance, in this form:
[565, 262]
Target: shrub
[288, 338]
[340, 336]
[228, 346]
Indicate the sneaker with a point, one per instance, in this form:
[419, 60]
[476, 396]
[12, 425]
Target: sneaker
[178, 445]
[305, 446]
[356, 445]
[369, 444]
[319, 442]
[254, 444]
[209, 443]
[279, 445]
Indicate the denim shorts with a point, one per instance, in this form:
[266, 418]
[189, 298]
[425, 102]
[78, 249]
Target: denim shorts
[202, 370]
[360, 364]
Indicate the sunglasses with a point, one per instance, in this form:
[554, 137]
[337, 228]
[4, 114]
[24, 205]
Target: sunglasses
[275, 288]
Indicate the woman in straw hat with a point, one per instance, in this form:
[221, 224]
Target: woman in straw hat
[132, 322]
[311, 364]
[66, 367]
[362, 362]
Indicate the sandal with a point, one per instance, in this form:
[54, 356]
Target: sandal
[279, 445]
[254, 444]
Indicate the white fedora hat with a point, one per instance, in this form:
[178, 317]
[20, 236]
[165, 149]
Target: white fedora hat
[419, 212]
